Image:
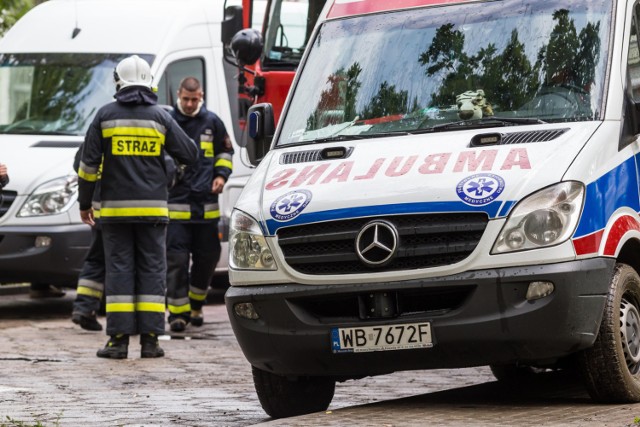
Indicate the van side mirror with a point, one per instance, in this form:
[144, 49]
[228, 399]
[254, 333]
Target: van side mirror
[260, 130]
[231, 24]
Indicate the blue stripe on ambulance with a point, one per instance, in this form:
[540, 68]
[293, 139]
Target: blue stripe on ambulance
[615, 189]
[394, 209]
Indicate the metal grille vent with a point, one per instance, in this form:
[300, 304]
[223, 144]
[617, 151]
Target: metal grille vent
[300, 157]
[428, 240]
[532, 136]
[57, 144]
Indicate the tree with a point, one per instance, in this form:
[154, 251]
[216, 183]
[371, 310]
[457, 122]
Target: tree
[12, 10]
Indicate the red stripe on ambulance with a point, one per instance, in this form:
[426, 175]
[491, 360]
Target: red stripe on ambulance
[343, 8]
[622, 225]
[588, 244]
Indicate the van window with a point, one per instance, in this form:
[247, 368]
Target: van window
[54, 93]
[173, 75]
[289, 30]
[416, 70]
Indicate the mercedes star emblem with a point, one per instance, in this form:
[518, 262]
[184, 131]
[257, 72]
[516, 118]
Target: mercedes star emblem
[377, 243]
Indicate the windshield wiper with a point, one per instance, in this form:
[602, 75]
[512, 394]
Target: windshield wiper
[485, 122]
[338, 138]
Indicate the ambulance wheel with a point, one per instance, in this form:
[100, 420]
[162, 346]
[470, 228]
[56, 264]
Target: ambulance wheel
[611, 368]
[282, 397]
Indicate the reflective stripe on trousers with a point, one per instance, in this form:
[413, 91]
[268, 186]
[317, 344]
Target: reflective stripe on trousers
[135, 277]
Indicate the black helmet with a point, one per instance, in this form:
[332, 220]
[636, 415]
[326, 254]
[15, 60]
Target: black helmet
[247, 46]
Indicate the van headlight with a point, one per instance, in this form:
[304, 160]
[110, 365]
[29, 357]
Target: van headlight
[545, 218]
[248, 249]
[51, 198]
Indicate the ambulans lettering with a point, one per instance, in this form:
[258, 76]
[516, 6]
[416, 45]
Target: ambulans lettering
[373, 170]
[517, 157]
[128, 146]
[472, 160]
[434, 163]
[395, 170]
[280, 179]
[339, 174]
[393, 167]
[310, 175]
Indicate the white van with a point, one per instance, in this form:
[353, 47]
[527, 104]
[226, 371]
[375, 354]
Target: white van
[56, 70]
[452, 183]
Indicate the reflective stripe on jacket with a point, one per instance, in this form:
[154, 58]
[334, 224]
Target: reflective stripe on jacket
[191, 198]
[129, 138]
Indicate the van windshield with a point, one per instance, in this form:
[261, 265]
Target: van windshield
[469, 65]
[58, 93]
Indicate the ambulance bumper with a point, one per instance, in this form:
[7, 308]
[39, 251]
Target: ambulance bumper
[476, 318]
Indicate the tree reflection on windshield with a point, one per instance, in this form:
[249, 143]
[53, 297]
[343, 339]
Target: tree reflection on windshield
[407, 70]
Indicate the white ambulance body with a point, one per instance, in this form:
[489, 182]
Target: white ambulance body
[452, 184]
[56, 70]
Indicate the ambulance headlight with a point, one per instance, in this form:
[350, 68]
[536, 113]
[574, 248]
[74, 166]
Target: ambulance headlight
[545, 218]
[51, 198]
[248, 249]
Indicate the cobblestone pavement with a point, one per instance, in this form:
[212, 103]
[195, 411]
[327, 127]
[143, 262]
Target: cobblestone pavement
[49, 374]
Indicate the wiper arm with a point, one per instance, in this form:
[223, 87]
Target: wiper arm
[338, 138]
[487, 122]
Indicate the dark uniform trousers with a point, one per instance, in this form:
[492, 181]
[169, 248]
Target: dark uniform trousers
[91, 281]
[136, 269]
[188, 291]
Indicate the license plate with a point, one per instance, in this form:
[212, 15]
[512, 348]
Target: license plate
[381, 338]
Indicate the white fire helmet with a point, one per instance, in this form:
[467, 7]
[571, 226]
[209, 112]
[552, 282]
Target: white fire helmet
[132, 71]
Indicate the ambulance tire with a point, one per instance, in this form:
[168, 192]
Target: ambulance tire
[611, 368]
[282, 397]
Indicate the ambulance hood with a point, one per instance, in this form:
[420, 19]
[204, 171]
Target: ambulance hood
[439, 172]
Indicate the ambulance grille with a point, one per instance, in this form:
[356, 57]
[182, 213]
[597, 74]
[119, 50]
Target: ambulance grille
[6, 200]
[531, 136]
[429, 240]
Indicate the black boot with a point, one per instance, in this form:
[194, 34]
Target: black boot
[150, 346]
[88, 322]
[117, 347]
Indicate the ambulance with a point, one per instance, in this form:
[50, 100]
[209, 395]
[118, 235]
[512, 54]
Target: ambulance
[56, 71]
[452, 184]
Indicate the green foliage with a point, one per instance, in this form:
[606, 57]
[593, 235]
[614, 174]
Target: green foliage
[508, 78]
[12, 10]
[10, 422]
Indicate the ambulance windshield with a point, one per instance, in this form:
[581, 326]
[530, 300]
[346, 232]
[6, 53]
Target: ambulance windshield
[504, 63]
[54, 94]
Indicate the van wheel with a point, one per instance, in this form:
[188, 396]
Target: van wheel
[281, 397]
[513, 373]
[611, 368]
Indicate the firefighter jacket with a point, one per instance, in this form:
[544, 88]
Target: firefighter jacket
[191, 198]
[127, 141]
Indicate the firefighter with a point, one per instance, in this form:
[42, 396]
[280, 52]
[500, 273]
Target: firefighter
[128, 138]
[193, 246]
[90, 288]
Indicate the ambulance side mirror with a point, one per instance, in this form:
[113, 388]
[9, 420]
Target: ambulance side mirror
[260, 129]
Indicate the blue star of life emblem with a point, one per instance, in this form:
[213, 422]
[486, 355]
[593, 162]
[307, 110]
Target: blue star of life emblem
[290, 205]
[480, 189]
